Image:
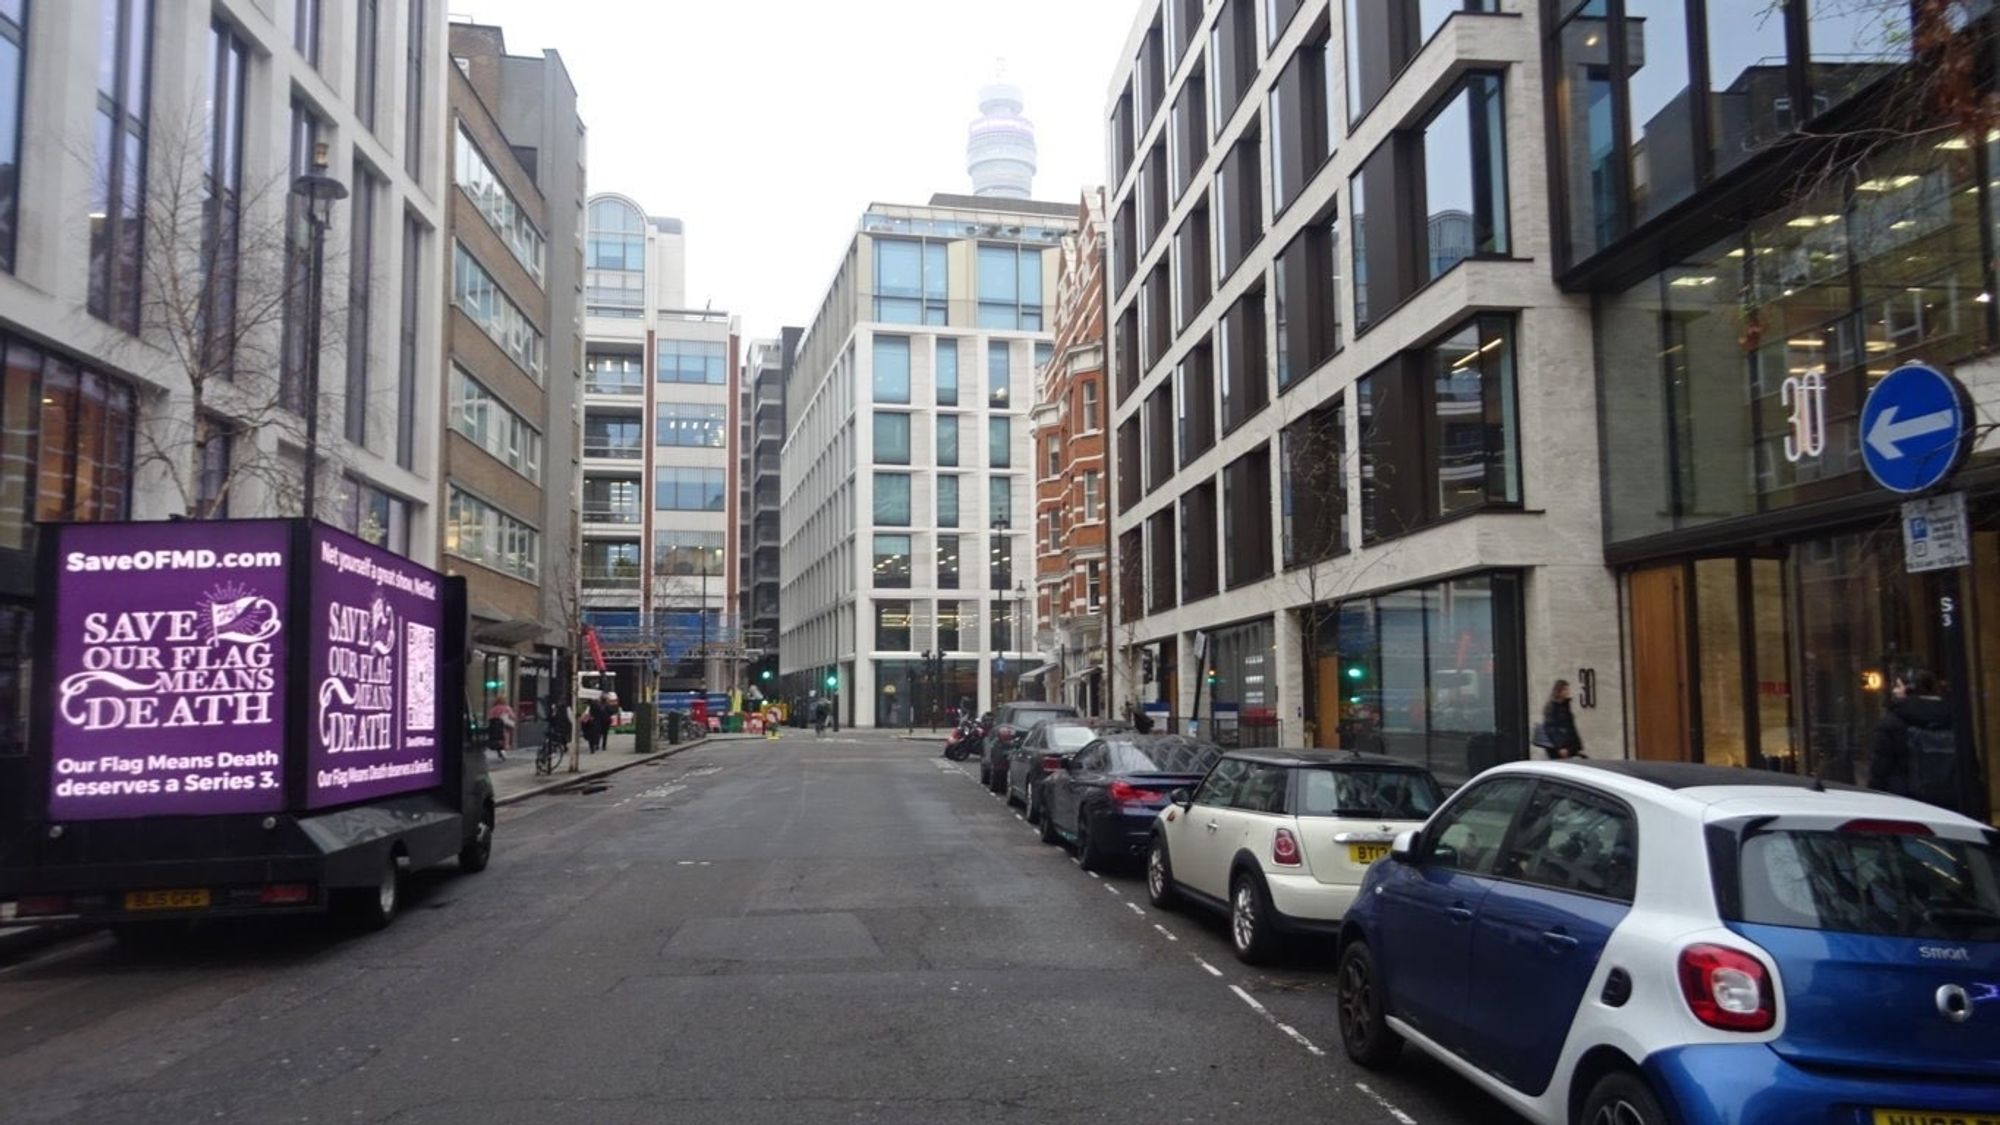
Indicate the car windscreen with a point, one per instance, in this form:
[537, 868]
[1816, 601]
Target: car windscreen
[1067, 738]
[1026, 719]
[1160, 757]
[1871, 882]
[1354, 792]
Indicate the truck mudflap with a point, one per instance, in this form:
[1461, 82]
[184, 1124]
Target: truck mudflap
[218, 866]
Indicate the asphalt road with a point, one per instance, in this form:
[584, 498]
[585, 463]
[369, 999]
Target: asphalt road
[843, 929]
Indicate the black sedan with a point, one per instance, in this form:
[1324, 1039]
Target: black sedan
[1041, 753]
[1104, 799]
[1010, 725]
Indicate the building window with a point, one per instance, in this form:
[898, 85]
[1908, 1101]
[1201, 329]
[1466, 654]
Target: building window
[912, 281]
[621, 437]
[1277, 15]
[614, 374]
[1307, 286]
[951, 621]
[614, 277]
[1131, 476]
[66, 443]
[999, 442]
[1240, 340]
[892, 369]
[367, 52]
[1159, 411]
[1156, 324]
[406, 352]
[415, 42]
[892, 562]
[1300, 122]
[1239, 202]
[13, 70]
[305, 136]
[892, 626]
[1054, 454]
[1000, 499]
[947, 440]
[1246, 506]
[1232, 55]
[1162, 549]
[1124, 243]
[1188, 125]
[1154, 202]
[360, 287]
[1093, 499]
[691, 425]
[947, 371]
[701, 363]
[305, 29]
[947, 500]
[1088, 394]
[480, 298]
[1001, 568]
[1125, 351]
[1438, 433]
[1194, 401]
[1195, 273]
[215, 458]
[687, 554]
[892, 438]
[1384, 35]
[1051, 531]
[489, 424]
[1010, 288]
[475, 176]
[999, 373]
[384, 520]
[611, 564]
[1199, 573]
[1465, 176]
[947, 562]
[1312, 500]
[222, 203]
[117, 204]
[612, 501]
[677, 489]
[1000, 627]
[892, 499]
[478, 532]
[1093, 585]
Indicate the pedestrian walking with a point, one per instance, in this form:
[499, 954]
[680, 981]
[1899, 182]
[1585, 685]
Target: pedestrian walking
[603, 716]
[1556, 734]
[499, 727]
[1914, 752]
[820, 710]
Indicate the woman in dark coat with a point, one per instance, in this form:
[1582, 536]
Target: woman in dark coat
[1559, 736]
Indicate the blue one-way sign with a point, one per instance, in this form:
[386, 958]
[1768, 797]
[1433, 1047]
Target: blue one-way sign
[1913, 428]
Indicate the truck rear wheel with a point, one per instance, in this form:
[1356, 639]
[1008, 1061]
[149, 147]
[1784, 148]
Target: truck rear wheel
[478, 851]
[373, 908]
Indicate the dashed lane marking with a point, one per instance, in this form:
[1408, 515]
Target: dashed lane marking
[1212, 970]
[1136, 909]
[1399, 1115]
[1290, 1032]
[1165, 932]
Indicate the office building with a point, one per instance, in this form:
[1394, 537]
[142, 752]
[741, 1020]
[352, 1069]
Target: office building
[1072, 506]
[1356, 474]
[905, 472]
[767, 367]
[515, 346]
[155, 359]
[659, 459]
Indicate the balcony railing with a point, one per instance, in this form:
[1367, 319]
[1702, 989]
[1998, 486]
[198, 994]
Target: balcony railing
[631, 516]
[614, 578]
[617, 451]
[614, 385]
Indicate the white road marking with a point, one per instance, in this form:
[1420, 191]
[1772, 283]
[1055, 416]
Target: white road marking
[1399, 1115]
[1106, 886]
[1291, 1032]
[1093, 874]
[1165, 932]
[1019, 817]
[1212, 970]
[1136, 909]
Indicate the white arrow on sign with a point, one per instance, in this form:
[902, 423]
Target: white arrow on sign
[1884, 435]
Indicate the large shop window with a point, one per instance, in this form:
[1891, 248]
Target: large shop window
[1438, 431]
[1312, 462]
[1732, 381]
[1430, 674]
[1243, 694]
[1246, 505]
[1384, 35]
[1456, 165]
[912, 281]
[1199, 575]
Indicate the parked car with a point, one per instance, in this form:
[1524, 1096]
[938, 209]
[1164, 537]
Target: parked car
[1103, 800]
[1646, 943]
[1011, 723]
[1280, 839]
[1045, 747]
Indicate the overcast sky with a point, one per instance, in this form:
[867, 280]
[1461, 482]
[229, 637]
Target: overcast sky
[768, 125]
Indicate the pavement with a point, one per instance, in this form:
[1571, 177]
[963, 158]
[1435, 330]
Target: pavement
[842, 928]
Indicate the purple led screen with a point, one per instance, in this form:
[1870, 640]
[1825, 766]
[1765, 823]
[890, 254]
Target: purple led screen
[170, 649]
[376, 624]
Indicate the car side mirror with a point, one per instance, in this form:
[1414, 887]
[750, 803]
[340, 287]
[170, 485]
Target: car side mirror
[1069, 765]
[1182, 798]
[1407, 844]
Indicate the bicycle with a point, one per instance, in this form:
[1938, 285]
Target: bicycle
[552, 754]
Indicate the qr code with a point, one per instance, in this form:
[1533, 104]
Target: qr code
[419, 677]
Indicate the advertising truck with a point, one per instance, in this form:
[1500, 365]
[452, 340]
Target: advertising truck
[238, 717]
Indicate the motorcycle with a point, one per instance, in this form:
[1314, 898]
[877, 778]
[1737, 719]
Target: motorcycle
[966, 737]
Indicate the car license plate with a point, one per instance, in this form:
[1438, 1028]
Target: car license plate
[166, 900]
[1365, 854]
[1933, 1117]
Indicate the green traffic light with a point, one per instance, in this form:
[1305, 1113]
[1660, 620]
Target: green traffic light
[1355, 672]
[766, 677]
[493, 685]
[832, 682]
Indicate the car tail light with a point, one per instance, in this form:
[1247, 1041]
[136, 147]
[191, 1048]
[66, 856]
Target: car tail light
[285, 894]
[1285, 848]
[1887, 827]
[41, 906]
[1727, 989]
[1052, 763]
[1126, 793]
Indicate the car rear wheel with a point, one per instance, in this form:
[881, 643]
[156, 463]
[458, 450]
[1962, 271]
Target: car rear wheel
[1031, 809]
[478, 851]
[1623, 1098]
[1087, 855]
[1160, 876]
[996, 779]
[1007, 787]
[1364, 1031]
[1250, 931]
[1049, 828]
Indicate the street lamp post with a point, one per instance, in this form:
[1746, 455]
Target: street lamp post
[319, 191]
[1020, 612]
[1000, 526]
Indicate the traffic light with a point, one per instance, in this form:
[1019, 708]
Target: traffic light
[1211, 677]
[765, 675]
[493, 685]
[1355, 673]
[832, 682]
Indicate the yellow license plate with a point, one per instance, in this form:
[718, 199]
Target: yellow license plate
[1366, 853]
[166, 900]
[1933, 1117]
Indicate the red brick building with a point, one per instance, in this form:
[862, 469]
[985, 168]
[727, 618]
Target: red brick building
[1072, 570]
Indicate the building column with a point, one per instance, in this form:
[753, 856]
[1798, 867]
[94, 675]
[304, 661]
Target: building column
[1289, 674]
